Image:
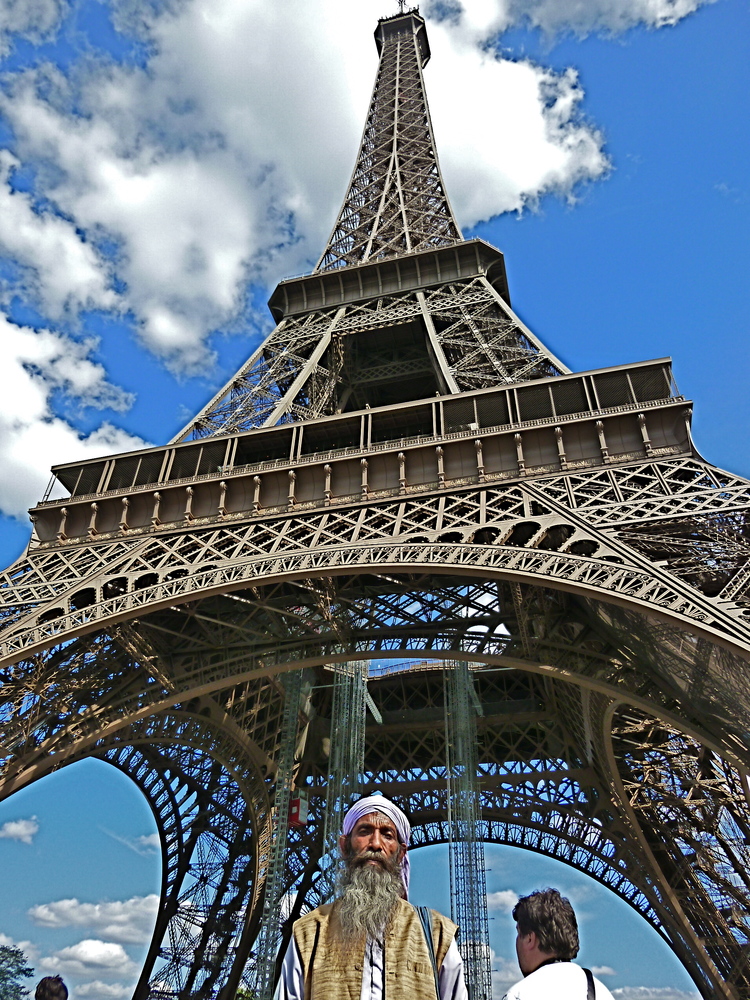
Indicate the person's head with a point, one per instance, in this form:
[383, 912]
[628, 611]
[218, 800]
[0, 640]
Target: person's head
[373, 844]
[546, 928]
[51, 988]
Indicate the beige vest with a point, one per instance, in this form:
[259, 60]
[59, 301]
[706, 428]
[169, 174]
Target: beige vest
[331, 974]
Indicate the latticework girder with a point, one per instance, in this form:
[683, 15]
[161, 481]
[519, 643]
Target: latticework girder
[346, 763]
[396, 200]
[379, 351]
[268, 939]
[464, 807]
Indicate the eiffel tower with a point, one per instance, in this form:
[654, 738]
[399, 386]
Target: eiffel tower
[402, 476]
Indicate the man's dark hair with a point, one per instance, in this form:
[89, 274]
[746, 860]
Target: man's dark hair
[51, 988]
[550, 916]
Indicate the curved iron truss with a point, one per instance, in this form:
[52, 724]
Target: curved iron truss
[603, 742]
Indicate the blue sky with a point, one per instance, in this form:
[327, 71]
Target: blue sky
[163, 165]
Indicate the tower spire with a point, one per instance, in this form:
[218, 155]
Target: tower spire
[396, 201]
[399, 307]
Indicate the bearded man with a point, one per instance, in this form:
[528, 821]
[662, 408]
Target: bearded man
[370, 944]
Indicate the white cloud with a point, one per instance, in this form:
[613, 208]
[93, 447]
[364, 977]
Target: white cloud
[90, 957]
[62, 271]
[149, 843]
[226, 159]
[603, 970]
[504, 974]
[32, 19]
[20, 829]
[602, 15]
[143, 845]
[129, 921]
[504, 900]
[484, 19]
[36, 364]
[653, 993]
[27, 947]
[104, 991]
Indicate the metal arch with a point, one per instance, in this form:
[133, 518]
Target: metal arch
[630, 586]
[212, 816]
[258, 635]
[582, 822]
[234, 551]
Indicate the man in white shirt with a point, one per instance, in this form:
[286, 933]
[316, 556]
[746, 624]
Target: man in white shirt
[546, 944]
[371, 941]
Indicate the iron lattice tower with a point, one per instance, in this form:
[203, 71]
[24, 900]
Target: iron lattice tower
[403, 474]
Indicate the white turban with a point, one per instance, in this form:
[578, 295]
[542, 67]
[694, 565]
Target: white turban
[379, 803]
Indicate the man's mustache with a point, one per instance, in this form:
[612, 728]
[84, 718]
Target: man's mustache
[358, 860]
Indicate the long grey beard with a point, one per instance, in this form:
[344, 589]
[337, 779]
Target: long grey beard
[368, 897]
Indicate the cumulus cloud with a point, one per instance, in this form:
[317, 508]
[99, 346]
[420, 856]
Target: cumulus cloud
[504, 974]
[504, 900]
[35, 20]
[20, 829]
[609, 16]
[224, 160]
[149, 843]
[487, 18]
[129, 921]
[653, 993]
[29, 949]
[36, 365]
[104, 991]
[603, 970]
[62, 271]
[90, 957]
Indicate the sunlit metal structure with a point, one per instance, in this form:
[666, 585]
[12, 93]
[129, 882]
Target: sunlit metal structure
[403, 474]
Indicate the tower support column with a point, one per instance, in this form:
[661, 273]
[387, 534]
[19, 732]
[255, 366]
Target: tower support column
[346, 762]
[269, 937]
[468, 878]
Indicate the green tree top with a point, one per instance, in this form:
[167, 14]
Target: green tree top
[13, 968]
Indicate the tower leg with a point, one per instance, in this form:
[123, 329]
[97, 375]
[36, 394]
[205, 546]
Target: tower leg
[208, 835]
